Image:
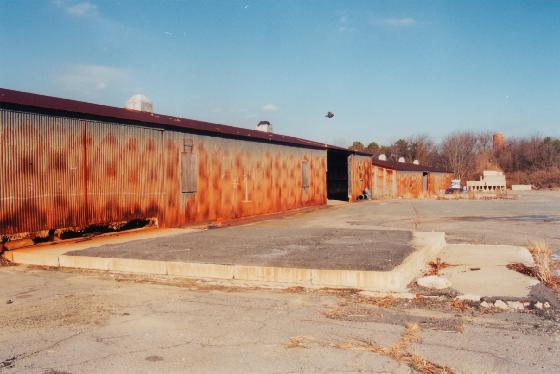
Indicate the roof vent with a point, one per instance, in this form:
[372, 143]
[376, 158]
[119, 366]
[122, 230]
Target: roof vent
[382, 157]
[264, 126]
[141, 103]
[401, 159]
[416, 162]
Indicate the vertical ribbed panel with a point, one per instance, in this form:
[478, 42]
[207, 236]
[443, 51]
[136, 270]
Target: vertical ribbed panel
[58, 172]
[40, 172]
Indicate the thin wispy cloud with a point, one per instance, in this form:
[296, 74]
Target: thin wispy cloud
[85, 9]
[77, 9]
[90, 79]
[394, 22]
[270, 108]
[343, 24]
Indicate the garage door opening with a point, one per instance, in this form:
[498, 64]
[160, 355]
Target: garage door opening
[337, 175]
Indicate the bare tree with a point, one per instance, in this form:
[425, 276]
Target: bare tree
[459, 151]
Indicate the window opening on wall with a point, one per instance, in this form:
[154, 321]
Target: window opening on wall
[305, 174]
[189, 168]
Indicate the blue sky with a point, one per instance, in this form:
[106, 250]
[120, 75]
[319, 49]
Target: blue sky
[387, 69]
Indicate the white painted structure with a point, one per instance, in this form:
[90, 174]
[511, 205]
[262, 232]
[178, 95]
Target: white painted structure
[490, 180]
[264, 126]
[521, 187]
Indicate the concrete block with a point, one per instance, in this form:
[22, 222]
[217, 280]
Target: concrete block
[36, 258]
[85, 262]
[197, 270]
[138, 266]
[521, 187]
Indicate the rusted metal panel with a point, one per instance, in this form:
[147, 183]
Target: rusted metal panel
[41, 172]
[359, 175]
[59, 172]
[439, 182]
[385, 182]
[409, 184]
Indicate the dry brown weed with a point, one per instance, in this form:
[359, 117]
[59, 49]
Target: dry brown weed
[436, 266]
[399, 351]
[544, 268]
[298, 341]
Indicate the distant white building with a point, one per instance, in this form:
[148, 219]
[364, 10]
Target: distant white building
[490, 180]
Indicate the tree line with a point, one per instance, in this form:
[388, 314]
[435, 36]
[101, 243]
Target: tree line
[526, 160]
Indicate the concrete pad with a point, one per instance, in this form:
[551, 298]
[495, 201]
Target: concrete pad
[425, 246]
[487, 255]
[272, 244]
[491, 281]
[490, 276]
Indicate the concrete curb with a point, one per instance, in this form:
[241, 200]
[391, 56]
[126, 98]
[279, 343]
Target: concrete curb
[428, 245]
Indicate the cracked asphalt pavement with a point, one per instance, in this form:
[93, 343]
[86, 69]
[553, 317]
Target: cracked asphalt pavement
[71, 321]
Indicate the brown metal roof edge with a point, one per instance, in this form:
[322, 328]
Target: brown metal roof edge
[50, 103]
[407, 166]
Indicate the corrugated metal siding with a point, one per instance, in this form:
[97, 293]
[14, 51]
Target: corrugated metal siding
[62, 172]
[409, 184]
[385, 182]
[41, 169]
[360, 175]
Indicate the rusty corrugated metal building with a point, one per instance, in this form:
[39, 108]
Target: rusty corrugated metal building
[407, 180]
[71, 164]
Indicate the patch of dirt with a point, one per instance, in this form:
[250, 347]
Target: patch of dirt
[58, 311]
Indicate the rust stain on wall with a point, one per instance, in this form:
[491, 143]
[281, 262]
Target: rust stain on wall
[360, 175]
[59, 172]
[409, 184]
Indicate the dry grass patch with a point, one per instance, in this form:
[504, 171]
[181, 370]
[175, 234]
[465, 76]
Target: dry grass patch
[460, 305]
[299, 341]
[295, 289]
[545, 266]
[5, 262]
[399, 351]
[381, 302]
[436, 266]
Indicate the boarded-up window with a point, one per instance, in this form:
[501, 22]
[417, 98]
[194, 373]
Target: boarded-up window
[189, 172]
[305, 174]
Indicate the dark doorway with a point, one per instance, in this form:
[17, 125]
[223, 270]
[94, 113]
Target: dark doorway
[337, 175]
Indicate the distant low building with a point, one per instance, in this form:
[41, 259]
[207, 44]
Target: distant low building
[407, 180]
[491, 180]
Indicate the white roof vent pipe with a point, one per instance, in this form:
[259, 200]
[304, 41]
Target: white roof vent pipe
[401, 159]
[382, 157]
[141, 103]
[416, 162]
[264, 126]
